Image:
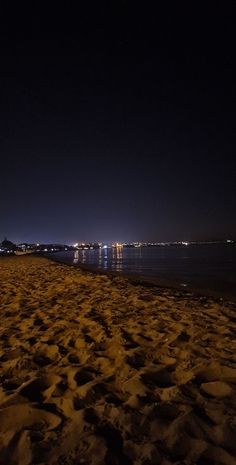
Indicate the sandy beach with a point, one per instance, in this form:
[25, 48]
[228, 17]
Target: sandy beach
[96, 370]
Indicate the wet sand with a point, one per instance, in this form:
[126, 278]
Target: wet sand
[96, 370]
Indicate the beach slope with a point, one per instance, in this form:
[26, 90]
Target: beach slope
[96, 370]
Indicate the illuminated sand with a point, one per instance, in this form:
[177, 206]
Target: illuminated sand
[95, 370]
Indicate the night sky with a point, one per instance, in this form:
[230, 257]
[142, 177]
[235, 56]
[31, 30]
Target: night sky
[117, 123]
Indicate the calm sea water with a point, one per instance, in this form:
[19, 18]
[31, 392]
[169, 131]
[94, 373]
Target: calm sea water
[210, 269]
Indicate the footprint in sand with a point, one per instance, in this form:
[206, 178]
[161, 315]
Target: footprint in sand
[35, 389]
[114, 442]
[74, 359]
[90, 416]
[89, 399]
[166, 411]
[112, 398]
[161, 378]
[40, 389]
[129, 341]
[137, 360]
[17, 417]
[83, 376]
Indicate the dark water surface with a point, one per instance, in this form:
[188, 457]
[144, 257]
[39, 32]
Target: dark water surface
[210, 269]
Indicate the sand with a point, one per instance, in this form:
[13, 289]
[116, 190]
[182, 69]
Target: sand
[96, 370]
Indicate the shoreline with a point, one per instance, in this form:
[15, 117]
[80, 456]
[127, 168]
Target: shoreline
[149, 281]
[97, 371]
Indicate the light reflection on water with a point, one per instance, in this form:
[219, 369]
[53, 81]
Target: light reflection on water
[103, 258]
[117, 259]
[76, 257]
[210, 267]
[100, 258]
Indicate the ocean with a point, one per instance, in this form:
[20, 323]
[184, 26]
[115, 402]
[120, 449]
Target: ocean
[208, 269]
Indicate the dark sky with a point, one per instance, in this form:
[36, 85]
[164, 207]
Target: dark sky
[117, 123]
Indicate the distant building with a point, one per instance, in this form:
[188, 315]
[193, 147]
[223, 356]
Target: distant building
[7, 246]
